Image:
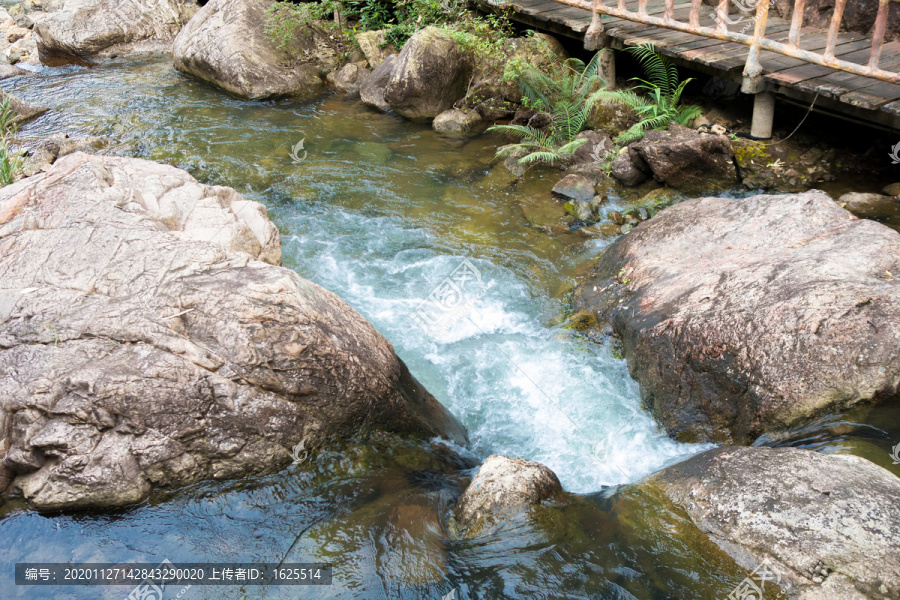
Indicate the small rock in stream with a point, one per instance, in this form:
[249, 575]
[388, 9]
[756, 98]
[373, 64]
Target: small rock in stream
[503, 487]
[574, 187]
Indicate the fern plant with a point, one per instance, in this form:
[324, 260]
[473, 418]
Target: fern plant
[660, 103]
[10, 162]
[568, 94]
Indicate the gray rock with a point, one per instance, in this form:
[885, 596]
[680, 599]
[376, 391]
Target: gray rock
[532, 118]
[827, 524]
[688, 160]
[149, 339]
[46, 152]
[371, 91]
[7, 71]
[611, 117]
[872, 206]
[786, 166]
[489, 87]
[348, 78]
[892, 190]
[597, 144]
[512, 163]
[15, 33]
[458, 122]
[626, 172]
[742, 317]
[503, 487]
[370, 42]
[574, 187]
[430, 75]
[226, 45]
[24, 111]
[83, 28]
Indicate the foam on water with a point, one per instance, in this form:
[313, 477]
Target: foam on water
[521, 386]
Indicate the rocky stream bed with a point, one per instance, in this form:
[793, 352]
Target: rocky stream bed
[309, 330]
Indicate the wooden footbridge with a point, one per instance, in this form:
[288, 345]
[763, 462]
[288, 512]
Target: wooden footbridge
[851, 75]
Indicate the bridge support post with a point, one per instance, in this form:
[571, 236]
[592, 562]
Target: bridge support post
[607, 67]
[763, 115]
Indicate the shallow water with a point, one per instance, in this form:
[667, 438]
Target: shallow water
[382, 211]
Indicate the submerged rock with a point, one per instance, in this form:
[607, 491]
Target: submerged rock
[785, 165]
[742, 317]
[430, 75]
[687, 160]
[83, 28]
[873, 206]
[226, 44]
[148, 338]
[825, 525]
[504, 486]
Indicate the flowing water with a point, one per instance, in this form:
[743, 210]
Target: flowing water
[382, 212]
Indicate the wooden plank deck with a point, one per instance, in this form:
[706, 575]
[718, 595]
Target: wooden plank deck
[871, 99]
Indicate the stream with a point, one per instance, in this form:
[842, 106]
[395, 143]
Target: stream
[381, 211]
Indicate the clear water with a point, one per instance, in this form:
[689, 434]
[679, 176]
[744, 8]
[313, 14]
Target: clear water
[381, 211]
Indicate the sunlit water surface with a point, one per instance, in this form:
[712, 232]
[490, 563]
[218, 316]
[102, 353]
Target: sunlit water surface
[382, 212]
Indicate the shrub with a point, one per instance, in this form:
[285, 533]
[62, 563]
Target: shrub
[10, 162]
[568, 93]
[660, 103]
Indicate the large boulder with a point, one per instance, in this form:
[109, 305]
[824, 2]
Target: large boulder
[226, 44]
[740, 317]
[371, 91]
[148, 338]
[504, 486]
[826, 526]
[491, 90]
[83, 28]
[688, 160]
[431, 73]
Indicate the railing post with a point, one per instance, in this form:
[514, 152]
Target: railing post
[593, 37]
[752, 68]
[796, 23]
